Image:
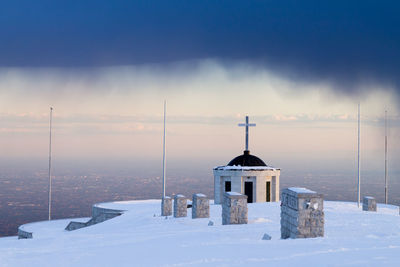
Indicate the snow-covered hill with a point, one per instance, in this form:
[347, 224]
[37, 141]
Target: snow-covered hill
[140, 237]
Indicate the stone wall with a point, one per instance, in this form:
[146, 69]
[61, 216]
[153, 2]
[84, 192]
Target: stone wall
[22, 234]
[98, 215]
[302, 214]
[234, 208]
[166, 206]
[217, 189]
[180, 206]
[369, 204]
[99, 211]
[75, 225]
[200, 206]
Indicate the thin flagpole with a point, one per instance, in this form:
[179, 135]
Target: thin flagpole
[386, 180]
[165, 111]
[51, 121]
[247, 133]
[359, 176]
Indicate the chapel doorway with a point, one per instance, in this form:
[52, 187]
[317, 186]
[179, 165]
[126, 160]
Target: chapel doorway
[248, 191]
[268, 192]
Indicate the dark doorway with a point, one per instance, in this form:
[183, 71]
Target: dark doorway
[268, 191]
[227, 186]
[248, 191]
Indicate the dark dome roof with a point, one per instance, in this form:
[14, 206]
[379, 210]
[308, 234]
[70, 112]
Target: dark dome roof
[246, 160]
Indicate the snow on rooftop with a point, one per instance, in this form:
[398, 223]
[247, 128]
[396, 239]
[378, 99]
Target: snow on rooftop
[245, 168]
[301, 190]
[141, 237]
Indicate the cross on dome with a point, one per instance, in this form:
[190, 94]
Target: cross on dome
[247, 125]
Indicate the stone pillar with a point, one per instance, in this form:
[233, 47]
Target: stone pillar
[200, 206]
[180, 206]
[276, 187]
[217, 188]
[166, 206]
[369, 204]
[302, 214]
[234, 208]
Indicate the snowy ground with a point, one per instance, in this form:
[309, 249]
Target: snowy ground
[138, 238]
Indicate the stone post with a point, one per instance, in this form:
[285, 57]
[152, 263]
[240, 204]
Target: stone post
[234, 208]
[302, 214]
[369, 204]
[166, 206]
[180, 206]
[200, 206]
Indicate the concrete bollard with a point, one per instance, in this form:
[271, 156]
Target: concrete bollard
[166, 206]
[200, 206]
[302, 214]
[234, 208]
[180, 206]
[369, 204]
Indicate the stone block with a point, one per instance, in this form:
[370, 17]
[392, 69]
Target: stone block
[266, 237]
[200, 206]
[24, 234]
[99, 215]
[166, 206]
[180, 206]
[369, 204]
[75, 225]
[302, 214]
[234, 208]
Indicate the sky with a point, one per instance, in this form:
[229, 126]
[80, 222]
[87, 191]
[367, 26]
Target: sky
[298, 69]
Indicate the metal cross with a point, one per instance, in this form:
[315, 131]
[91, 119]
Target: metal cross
[247, 125]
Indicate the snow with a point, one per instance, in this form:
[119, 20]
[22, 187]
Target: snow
[49, 228]
[244, 168]
[138, 238]
[233, 193]
[301, 190]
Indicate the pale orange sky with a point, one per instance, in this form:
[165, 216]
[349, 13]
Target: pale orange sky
[116, 112]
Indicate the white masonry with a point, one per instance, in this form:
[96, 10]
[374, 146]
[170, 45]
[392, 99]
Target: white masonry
[264, 182]
[248, 175]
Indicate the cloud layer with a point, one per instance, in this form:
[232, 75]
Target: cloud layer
[116, 113]
[351, 44]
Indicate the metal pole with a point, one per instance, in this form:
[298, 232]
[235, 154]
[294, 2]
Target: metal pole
[165, 111]
[51, 115]
[247, 133]
[359, 176]
[386, 181]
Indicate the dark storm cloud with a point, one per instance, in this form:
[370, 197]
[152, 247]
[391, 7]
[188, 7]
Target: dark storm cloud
[345, 42]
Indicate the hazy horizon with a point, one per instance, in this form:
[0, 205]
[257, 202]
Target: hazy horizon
[117, 112]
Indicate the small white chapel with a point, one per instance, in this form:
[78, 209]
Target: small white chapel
[248, 175]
